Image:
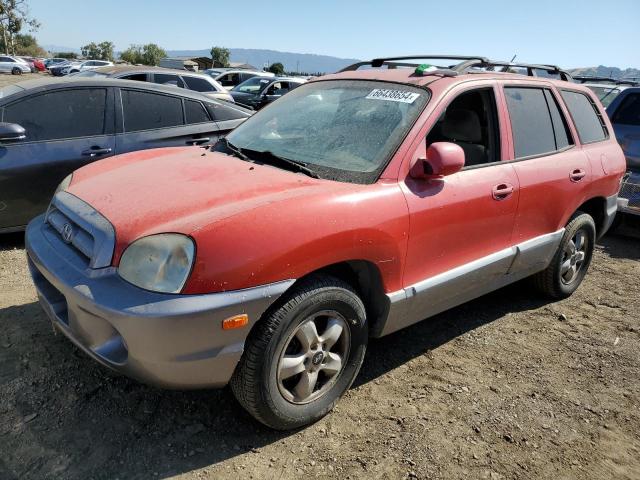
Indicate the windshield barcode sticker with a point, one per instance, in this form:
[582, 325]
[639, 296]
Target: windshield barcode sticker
[392, 95]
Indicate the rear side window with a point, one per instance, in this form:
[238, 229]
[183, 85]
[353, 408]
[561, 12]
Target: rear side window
[138, 77]
[195, 112]
[70, 114]
[530, 121]
[165, 79]
[560, 128]
[585, 117]
[146, 111]
[198, 84]
[628, 113]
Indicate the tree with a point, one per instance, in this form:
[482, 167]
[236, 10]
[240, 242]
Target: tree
[28, 46]
[152, 54]
[69, 55]
[220, 56]
[149, 54]
[14, 15]
[100, 51]
[276, 68]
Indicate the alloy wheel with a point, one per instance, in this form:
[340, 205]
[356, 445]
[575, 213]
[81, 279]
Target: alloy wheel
[311, 362]
[573, 258]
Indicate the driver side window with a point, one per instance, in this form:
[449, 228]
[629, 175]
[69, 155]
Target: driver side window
[471, 121]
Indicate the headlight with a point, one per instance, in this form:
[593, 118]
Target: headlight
[160, 263]
[64, 184]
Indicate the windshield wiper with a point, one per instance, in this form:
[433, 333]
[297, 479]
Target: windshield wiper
[233, 149]
[267, 156]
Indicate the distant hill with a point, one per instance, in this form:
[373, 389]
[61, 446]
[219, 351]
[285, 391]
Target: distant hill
[303, 62]
[58, 49]
[603, 71]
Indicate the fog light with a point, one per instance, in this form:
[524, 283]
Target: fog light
[237, 321]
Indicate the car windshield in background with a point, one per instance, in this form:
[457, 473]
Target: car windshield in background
[343, 130]
[253, 85]
[606, 94]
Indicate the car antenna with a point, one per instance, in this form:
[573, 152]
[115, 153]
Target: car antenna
[513, 58]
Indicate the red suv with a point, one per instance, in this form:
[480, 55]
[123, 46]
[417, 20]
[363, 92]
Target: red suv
[358, 204]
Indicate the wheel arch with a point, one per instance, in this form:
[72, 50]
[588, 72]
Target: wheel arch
[597, 208]
[365, 278]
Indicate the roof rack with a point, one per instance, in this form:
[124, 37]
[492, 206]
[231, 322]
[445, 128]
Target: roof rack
[531, 68]
[616, 81]
[465, 64]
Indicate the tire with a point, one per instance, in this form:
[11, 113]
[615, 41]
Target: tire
[264, 383]
[16, 71]
[556, 280]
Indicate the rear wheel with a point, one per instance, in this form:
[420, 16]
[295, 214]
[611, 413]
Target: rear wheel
[16, 71]
[571, 262]
[301, 358]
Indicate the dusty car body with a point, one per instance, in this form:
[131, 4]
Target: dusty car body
[358, 204]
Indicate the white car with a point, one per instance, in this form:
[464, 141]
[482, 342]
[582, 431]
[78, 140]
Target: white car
[89, 65]
[229, 77]
[13, 65]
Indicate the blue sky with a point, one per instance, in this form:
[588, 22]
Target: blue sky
[570, 33]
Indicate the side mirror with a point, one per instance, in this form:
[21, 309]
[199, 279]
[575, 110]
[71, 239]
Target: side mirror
[11, 132]
[443, 158]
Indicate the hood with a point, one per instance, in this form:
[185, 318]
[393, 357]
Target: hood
[182, 189]
[243, 95]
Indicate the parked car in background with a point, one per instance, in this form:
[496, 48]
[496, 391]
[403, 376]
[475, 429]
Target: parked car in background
[230, 77]
[29, 61]
[163, 76]
[50, 128]
[89, 65]
[353, 207]
[259, 91]
[62, 69]
[13, 65]
[49, 62]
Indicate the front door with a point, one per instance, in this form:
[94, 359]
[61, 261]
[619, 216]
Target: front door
[460, 242]
[65, 129]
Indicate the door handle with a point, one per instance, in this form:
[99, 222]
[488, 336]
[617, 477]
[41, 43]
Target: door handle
[96, 151]
[577, 175]
[502, 191]
[198, 141]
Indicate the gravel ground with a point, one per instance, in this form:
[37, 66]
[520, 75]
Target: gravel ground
[507, 386]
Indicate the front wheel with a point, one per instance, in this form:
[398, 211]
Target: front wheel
[301, 358]
[16, 71]
[571, 262]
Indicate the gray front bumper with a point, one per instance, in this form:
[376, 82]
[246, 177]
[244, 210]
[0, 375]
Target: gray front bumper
[172, 341]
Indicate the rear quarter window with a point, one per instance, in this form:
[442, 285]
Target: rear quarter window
[585, 116]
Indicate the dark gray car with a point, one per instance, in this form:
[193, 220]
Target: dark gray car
[49, 128]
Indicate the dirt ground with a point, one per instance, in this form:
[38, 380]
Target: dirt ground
[507, 386]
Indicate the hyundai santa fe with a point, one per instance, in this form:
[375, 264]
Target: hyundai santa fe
[356, 205]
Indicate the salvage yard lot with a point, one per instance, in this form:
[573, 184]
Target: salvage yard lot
[507, 386]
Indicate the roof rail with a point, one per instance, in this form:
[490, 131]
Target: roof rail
[504, 66]
[465, 64]
[616, 81]
[393, 62]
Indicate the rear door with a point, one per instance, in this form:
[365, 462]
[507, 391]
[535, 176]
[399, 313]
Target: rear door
[154, 120]
[77, 129]
[553, 171]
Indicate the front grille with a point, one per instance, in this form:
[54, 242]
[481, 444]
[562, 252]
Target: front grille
[630, 190]
[82, 228]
